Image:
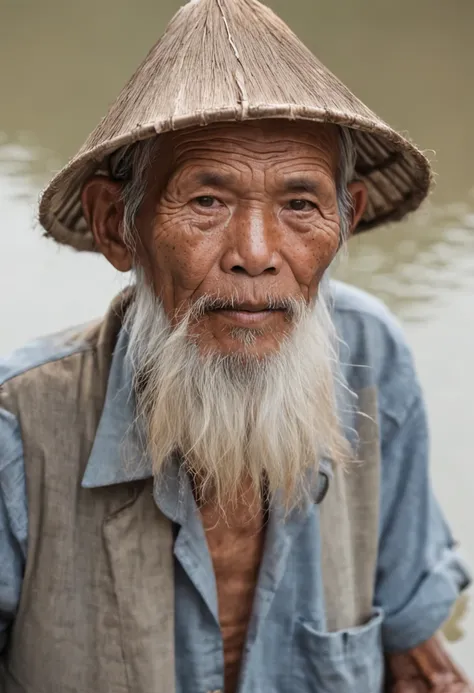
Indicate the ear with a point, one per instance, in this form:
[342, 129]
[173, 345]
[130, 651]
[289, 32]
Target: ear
[358, 192]
[103, 210]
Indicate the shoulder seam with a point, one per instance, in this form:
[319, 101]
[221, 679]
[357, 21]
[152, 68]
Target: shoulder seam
[46, 361]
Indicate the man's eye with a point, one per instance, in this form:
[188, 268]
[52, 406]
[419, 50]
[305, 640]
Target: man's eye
[205, 201]
[301, 205]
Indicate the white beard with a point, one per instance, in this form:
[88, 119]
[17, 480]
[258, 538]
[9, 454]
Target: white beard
[269, 420]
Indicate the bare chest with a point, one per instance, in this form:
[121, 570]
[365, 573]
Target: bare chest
[236, 547]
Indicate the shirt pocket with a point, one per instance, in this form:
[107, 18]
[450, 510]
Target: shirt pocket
[348, 661]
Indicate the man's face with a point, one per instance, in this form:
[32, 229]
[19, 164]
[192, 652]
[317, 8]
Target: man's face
[242, 213]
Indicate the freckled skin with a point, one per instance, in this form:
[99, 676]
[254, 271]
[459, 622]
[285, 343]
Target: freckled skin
[236, 209]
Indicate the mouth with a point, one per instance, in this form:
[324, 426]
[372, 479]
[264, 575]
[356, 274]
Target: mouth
[248, 317]
[248, 314]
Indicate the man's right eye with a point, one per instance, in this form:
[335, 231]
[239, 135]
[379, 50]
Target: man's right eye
[205, 201]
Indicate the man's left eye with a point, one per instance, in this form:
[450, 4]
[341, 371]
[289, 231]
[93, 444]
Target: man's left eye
[205, 201]
[301, 205]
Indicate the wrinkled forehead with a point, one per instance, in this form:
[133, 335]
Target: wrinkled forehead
[267, 140]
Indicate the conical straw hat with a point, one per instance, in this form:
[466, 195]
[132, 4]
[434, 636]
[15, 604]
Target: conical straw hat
[235, 60]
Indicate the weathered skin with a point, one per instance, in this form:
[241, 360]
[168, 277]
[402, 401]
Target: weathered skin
[247, 210]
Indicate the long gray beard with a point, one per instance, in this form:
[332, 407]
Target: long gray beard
[267, 420]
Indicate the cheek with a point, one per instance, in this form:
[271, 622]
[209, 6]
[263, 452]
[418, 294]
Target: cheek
[181, 257]
[310, 255]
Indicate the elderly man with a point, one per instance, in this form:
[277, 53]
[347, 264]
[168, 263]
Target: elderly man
[223, 485]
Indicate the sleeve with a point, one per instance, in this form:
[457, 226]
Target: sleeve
[419, 574]
[13, 521]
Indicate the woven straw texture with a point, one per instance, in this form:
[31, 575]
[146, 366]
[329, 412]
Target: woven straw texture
[235, 60]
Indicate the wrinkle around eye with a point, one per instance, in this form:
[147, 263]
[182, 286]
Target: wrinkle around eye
[310, 224]
[193, 218]
[303, 220]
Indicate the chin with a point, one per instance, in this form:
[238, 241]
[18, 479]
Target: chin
[244, 346]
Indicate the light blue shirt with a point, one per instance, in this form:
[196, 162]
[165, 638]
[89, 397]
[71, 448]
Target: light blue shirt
[288, 650]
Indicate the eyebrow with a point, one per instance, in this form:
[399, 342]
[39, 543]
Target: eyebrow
[301, 185]
[212, 179]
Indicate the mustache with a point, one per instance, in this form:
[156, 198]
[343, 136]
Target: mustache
[294, 307]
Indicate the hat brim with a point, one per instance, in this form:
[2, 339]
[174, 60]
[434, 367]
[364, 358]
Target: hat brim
[396, 173]
[236, 61]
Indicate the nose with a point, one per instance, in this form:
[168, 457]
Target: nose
[253, 245]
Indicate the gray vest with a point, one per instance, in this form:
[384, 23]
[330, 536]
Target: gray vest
[97, 604]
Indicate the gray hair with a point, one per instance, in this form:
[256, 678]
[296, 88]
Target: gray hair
[345, 175]
[130, 164]
[237, 416]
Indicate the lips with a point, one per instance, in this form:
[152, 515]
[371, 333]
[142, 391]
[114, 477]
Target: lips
[250, 307]
[248, 314]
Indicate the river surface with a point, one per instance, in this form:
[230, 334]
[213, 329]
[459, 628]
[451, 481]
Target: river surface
[412, 61]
